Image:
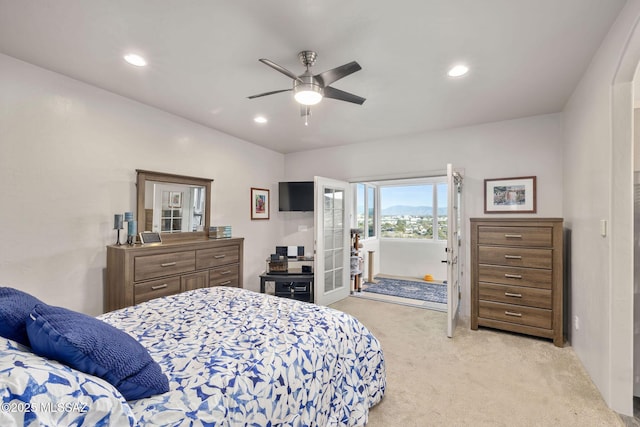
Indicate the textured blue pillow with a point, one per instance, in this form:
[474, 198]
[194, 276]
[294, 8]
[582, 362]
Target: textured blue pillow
[97, 348]
[15, 307]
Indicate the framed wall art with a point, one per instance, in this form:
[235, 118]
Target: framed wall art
[175, 199]
[259, 203]
[510, 195]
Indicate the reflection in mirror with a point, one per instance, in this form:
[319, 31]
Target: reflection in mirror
[174, 208]
[174, 205]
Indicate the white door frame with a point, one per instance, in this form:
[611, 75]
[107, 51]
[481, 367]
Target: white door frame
[332, 241]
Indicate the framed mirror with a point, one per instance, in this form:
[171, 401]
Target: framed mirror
[176, 206]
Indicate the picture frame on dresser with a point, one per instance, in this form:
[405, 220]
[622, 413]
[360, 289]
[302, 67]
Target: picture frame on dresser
[510, 195]
[259, 203]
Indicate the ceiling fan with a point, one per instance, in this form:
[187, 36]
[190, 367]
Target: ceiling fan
[309, 89]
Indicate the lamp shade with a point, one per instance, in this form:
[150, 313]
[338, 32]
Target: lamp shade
[308, 94]
[306, 90]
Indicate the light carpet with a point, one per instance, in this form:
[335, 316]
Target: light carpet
[477, 378]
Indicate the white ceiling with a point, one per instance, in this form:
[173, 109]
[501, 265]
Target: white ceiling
[526, 57]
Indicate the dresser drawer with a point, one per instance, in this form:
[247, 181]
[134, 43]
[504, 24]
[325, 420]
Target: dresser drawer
[227, 275]
[515, 236]
[152, 266]
[155, 289]
[529, 316]
[515, 257]
[517, 276]
[213, 257]
[520, 295]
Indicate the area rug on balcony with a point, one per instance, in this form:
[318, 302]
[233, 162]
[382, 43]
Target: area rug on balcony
[425, 291]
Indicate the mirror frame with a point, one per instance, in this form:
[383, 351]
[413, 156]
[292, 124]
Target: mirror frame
[141, 181]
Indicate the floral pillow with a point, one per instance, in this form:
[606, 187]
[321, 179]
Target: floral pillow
[38, 391]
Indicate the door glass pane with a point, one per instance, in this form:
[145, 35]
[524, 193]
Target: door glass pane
[328, 260]
[338, 214]
[328, 281]
[338, 277]
[443, 225]
[360, 206]
[328, 199]
[339, 258]
[333, 238]
[371, 215]
[338, 199]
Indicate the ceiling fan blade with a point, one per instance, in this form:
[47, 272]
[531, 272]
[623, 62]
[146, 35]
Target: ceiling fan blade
[330, 76]
[268, 93]
[280, 68]
[331, 92]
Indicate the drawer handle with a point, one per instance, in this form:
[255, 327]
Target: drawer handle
[158, 287]
[511, 313]
[513, 276]
[513, 236]
[225, 272]
[219, 256]
[513, 256]
[168, 264]
[228, 282]
[509, 294]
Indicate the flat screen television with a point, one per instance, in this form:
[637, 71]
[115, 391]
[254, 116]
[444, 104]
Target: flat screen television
[296, 196]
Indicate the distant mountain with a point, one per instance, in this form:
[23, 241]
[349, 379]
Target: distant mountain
[401, 210]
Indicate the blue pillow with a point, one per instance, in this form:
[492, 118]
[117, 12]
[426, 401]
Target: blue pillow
[92, 346]
[15, 307]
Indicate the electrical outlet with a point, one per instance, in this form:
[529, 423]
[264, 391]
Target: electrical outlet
[576, 322]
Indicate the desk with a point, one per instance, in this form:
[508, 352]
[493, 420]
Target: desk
[297, 286]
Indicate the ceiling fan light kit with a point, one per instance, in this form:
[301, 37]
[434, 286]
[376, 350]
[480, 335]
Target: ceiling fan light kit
[307, 93]
[309, 89]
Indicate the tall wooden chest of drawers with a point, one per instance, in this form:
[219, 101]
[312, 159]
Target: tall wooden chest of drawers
[142, 272]
[517, 275]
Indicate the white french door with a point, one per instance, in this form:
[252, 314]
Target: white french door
[454, 247]
[332, 240]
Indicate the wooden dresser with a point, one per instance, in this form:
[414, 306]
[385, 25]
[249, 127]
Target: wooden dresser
[140, 273]
[517, 275]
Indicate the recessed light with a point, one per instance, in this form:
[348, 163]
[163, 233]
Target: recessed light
[260, 119]
[136, 60]
[458, 70]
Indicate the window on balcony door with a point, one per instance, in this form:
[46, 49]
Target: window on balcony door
[366, 211]
[415, 209]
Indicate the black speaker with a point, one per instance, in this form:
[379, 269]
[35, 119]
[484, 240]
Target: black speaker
[300, 251]
[282, 250]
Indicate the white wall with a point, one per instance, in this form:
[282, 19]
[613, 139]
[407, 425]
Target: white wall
[413, 258]
[598, 164]
[529, 146]
[68, 154]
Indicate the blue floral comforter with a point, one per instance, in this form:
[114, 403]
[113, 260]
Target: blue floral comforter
[239, 358]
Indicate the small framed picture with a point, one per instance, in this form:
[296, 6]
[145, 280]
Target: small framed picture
[148, 237]
[510, 195]
[175, 199]
[259, 203]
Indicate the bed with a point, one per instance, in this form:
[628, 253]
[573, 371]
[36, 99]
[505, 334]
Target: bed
[231, 357]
